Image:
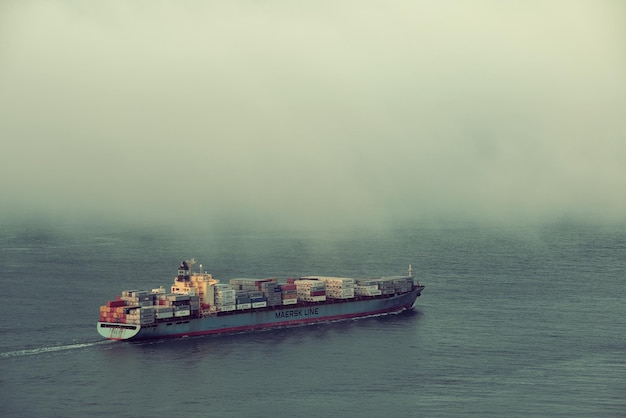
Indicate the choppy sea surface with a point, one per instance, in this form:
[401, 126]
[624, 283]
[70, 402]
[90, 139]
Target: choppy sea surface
[514, 322]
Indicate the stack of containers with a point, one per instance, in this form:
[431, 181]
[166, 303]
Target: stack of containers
[257, 299]
[181, 310]
[367, 287]
[261, 292]
[137, 298]
[250, 284]
[164, 312]
[242, 298]
[127, 294]
[180, 305]
[113, 311]
[194, 304]
[386, 286]
[402, 284]
[338, 287]
[289, 294]
[141, 316]
[272, 294]
[225, 300]
[161, 299]
[177, 300]
[243, 284]
[311, 290]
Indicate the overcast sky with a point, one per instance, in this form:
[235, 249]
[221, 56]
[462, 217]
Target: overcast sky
[313, 112]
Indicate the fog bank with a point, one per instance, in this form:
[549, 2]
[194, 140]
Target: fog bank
[313, 113]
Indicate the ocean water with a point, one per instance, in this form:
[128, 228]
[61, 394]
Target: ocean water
[514, 322]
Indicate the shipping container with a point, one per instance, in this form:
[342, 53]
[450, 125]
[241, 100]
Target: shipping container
[290, 301]
[312, 298]
[115, 303]
[340, 293]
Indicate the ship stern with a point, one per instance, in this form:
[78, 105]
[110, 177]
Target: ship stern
[116, 331]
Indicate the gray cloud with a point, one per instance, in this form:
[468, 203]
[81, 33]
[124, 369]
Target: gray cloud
[313, 113]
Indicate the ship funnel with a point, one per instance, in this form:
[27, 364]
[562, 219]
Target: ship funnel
[183, 271]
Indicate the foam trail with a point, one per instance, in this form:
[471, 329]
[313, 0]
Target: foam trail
[42, 350]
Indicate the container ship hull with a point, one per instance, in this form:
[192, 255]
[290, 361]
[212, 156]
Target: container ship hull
[198, 304]
[258, 319]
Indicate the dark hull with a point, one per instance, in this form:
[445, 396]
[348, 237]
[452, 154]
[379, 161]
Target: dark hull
[283, 316]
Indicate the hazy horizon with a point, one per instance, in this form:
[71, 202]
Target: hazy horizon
[313, 113]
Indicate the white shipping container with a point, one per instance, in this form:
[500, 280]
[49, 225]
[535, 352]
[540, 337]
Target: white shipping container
[259, 304]
[335, 280]
[367, 282]
[228, 299]
[310, 284]
[225, 291]
[182, 313]
[223, 295]
[340, 294]
[138, 293]
[291, 301]
[312, 298]
[177, 298]
[243, 306]
[340, 286]
[307, 282]
[224, 301]
[164, 315]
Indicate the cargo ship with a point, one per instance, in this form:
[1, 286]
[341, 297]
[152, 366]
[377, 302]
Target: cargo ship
[197, 304]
